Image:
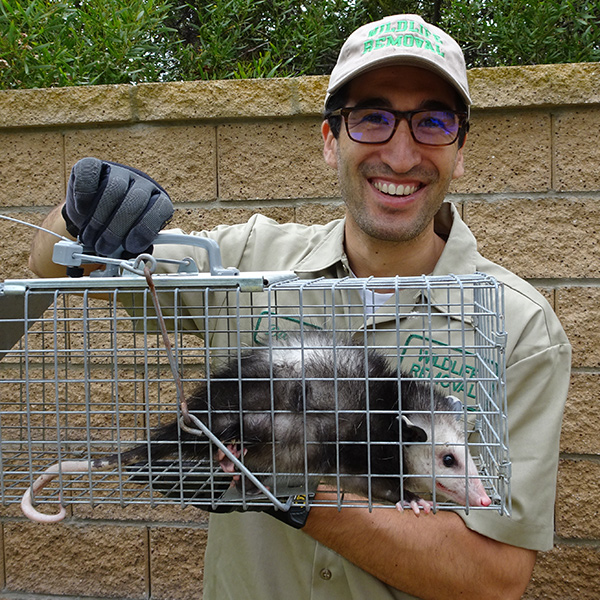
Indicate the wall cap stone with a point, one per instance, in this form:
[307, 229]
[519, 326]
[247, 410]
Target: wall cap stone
[496, 87]
[66, 106]
[538, 85]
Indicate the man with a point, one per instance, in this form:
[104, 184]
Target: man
[396, 119]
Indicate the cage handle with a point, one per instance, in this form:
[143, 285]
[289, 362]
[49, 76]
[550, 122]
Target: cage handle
[211, 246]
[71, 254]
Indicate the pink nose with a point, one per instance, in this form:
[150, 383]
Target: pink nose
[478, 495]
[485, 500]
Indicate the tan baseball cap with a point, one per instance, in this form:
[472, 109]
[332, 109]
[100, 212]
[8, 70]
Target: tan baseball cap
[400, 40]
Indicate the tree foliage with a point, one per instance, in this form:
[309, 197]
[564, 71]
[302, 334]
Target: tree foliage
[521, 32]
[57, 43]
[73, 42]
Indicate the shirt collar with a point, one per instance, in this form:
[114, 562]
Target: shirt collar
[327, 256]
[459, 255]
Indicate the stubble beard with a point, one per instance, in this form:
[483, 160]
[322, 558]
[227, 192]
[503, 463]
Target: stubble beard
[395, 228]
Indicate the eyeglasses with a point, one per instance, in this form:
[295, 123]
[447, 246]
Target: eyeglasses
[378, 125]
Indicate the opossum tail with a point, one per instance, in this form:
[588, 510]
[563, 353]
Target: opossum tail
[41, 482]
[162, 443]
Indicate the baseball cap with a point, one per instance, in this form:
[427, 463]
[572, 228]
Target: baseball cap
[400, 40]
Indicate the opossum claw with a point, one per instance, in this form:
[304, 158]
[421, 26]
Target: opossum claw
[423, 504]
[415, 505]
[225, 463]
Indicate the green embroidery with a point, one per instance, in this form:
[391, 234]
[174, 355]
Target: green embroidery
[403, 33]
[267, 326]
[449, 370]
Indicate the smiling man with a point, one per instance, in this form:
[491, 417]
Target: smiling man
[395, 122]
[395, 158]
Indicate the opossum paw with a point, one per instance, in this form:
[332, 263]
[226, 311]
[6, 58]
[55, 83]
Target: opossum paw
[225, 462]
[415, 505]
[421, 504]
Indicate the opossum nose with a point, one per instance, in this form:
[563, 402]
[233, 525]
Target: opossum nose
[478, 495]
[486, 501]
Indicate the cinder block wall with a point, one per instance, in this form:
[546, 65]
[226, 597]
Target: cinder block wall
[227, 149]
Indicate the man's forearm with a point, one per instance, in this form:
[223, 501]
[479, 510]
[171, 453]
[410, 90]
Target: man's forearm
[42, 245]
[434, 557]
[40, 258]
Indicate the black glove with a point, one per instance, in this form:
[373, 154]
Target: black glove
[111, 206]
[195, 482]
[295, 516]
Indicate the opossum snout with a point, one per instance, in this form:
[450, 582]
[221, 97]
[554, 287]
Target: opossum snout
[465, 487]
[477, 494]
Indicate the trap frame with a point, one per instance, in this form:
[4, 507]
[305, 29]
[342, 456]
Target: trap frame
[85, 372]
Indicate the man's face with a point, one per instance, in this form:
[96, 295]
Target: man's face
[393, 190]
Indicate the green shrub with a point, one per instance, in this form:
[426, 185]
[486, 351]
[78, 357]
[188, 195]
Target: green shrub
[74, 42]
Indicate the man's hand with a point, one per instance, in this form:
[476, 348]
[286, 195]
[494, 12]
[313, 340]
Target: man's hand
[195, 481]
[112, 207]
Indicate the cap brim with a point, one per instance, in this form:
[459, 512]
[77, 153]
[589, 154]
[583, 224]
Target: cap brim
[409, 61]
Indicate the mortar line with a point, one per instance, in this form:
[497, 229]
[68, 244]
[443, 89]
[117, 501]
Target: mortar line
[147, 561]
[553, 182]
[3, 576]
[217, 181]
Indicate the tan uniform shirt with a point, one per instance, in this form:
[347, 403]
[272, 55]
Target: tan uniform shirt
[255, 556]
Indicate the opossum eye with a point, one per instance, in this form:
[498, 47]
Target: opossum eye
[448, 460]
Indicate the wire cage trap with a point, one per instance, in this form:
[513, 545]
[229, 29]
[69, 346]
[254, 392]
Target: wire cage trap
[85, 376]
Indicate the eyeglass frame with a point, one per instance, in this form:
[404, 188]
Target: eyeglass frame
[399, 115]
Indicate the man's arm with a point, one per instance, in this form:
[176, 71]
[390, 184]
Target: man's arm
[433, 557]
[40, 258]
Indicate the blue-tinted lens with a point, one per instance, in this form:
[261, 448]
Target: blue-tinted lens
[435, 126]
[370, 125]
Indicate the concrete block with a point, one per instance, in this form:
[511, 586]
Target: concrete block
[539, 85]
[507, 152]
[312, 213]
[31, 168]
[581, 422]
[311, 94]
[577, 156]
[275, 160]
[566, 572]
[578, 309]
[77, 561]
[161, 513]
[82, 104]
[223, 99]
[16, 244]
[181, 159]
[198, 219]
[577, 510]
[177, 563]
[545, 238]
[2, 577]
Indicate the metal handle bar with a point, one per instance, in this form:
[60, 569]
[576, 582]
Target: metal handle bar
[70, 254]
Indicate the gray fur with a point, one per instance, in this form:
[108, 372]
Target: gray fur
[316, 408]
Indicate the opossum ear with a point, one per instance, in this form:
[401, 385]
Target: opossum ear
[455, 405]
[412, 432]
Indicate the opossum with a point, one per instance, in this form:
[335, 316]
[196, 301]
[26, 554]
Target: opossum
[317, 407]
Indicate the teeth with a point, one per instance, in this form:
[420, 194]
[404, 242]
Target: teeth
[396, 190]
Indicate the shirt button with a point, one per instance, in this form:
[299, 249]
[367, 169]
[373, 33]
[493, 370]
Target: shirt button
[325, 574]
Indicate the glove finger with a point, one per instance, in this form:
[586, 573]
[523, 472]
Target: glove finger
[116, 226]
[158, 212]
[82, 189]
[115, 189]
